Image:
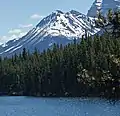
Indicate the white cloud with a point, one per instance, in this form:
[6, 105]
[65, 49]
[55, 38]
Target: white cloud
[5, 39]
[36, 16]
[25, 26]
[12, 37]
[15, 31]
[21, 34]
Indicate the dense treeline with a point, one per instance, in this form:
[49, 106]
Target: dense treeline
[88, 68]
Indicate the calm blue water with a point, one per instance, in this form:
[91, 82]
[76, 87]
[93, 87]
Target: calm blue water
[28, 106]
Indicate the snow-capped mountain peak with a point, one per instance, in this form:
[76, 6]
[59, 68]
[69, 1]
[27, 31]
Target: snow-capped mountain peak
[70, 24]
[58, 27]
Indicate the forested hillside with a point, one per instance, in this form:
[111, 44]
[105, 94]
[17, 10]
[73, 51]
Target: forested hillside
[88, 68]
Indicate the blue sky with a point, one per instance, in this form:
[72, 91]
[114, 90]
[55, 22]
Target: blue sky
[19, 16]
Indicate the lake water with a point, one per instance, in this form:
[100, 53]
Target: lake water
[29, 106]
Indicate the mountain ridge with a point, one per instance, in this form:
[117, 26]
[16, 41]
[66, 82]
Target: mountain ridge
[58, 27]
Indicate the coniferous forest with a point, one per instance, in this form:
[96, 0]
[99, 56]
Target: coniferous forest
[89, 68]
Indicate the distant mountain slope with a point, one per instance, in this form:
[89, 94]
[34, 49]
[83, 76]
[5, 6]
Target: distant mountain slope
[104, 5]
[58, 27]
[92, 12]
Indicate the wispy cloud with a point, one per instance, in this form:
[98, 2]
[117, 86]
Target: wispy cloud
[25, 26]
[15, 31]
[36, 16]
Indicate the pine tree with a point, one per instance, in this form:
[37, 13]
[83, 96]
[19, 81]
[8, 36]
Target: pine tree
[24, 54]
